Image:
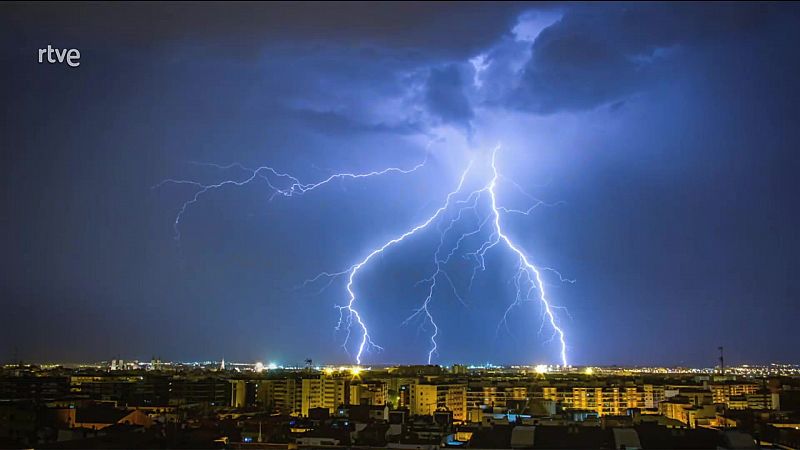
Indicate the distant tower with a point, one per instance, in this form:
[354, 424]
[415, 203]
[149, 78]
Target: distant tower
[222, 366]
[721, 362]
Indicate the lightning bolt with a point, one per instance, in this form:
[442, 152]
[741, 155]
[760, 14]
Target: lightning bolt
[456, 206]
[527, 279]
[533, 274]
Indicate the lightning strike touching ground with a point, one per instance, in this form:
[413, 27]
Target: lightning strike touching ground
[527, 274]
[525, 264]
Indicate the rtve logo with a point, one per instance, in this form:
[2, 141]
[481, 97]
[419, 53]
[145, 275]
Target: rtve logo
[70, 56]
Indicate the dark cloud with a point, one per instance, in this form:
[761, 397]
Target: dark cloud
[597, 55]
[575, 71]
[445, 96]
[443, 29]
[334, 123]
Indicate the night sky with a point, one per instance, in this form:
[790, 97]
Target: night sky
[665, 137]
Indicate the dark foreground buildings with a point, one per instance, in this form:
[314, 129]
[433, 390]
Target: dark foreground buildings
[424, 407]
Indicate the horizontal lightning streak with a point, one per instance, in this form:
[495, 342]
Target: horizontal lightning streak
[296, 187]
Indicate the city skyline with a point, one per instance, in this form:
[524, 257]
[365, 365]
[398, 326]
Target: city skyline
[530, 184]
[271, 367]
